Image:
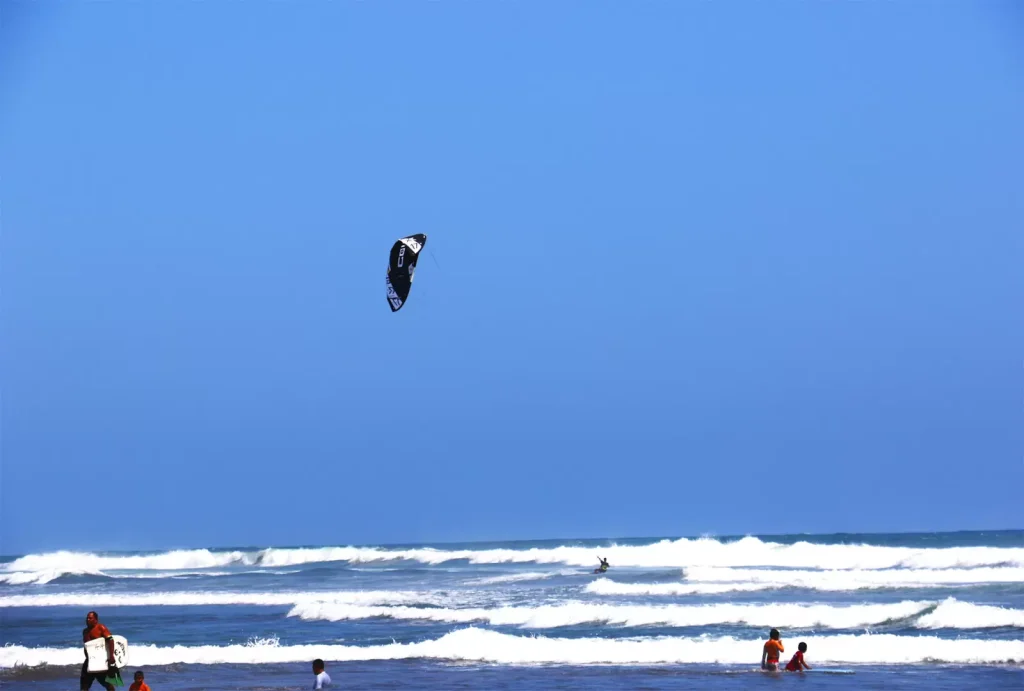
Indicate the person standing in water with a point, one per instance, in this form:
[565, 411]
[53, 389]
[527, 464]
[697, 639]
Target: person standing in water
[93, 630]
[140, 682]
[603, 567]
[770, 653]
[320, 679]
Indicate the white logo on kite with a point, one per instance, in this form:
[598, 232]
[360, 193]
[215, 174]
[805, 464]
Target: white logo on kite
[396, 303]
[413, 245]
[401, 255]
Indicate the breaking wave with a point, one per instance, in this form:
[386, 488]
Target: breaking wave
[480, 645]
[519, 577]
[682, 553]
[711, 580]
[929, 615]
[187, 599]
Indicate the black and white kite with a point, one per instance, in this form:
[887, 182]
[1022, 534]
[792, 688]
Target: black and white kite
[401, 267]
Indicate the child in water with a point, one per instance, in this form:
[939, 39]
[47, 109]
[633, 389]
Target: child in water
[140, 684]
[770, 652]
[796, 663]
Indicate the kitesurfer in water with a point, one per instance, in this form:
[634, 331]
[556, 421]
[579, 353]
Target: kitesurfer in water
[603, 567]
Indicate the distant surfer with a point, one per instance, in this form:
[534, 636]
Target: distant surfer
[93, 630]
[603, 567]
[770, 652]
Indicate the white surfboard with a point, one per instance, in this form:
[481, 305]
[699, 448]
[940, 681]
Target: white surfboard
[96, 653]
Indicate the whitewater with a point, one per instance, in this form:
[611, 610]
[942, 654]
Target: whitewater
[921, 610]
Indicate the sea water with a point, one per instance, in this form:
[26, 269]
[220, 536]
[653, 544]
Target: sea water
[907, 611]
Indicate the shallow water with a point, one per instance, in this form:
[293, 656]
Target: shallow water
[899, 612]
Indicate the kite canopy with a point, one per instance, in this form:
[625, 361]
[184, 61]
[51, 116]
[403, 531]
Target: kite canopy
[401, 267]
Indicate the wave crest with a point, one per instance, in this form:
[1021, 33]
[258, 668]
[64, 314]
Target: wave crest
[748, 552]
[480, 645]
[931, 615]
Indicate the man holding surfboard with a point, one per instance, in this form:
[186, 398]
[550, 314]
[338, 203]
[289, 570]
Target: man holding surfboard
[93, 630]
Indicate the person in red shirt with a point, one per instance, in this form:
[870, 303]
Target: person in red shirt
[770, 652]
[93, 630]
[140, 684]
[796, 663]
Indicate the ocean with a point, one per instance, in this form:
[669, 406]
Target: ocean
[901, 611]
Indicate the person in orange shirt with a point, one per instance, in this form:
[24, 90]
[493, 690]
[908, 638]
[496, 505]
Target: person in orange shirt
[93, 630]
[770, 653]
[139, 684]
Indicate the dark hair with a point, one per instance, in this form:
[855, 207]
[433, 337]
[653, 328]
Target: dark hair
[802, 647]
[92, 611]
[318, 662]
[139, 673]
[775, 633]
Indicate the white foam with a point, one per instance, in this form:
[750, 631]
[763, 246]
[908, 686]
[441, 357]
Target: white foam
[42, 576]
[48, 575]
[510, 578]
[311, 555]
[948, 614]
[473, 644]
[87, 562]
[711, 580]
[575, 613]
[182, 599]
[857, 579]
[955, 614]
[604, 586]
[43, 568]
[702, 552]
[154, 575]
[684, 552]
[519, 577]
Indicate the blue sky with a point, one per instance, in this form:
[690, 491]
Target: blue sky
[697, 267]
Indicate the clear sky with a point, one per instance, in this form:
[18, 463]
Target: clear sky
[696, 267]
